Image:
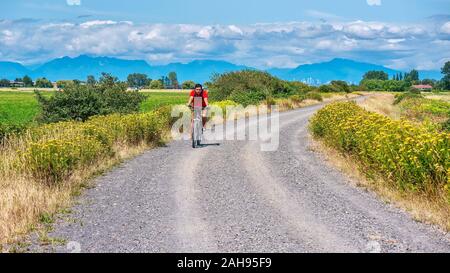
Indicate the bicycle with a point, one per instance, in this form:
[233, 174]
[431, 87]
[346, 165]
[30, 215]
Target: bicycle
[197, 126]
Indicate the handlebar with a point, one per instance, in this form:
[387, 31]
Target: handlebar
[192, 107]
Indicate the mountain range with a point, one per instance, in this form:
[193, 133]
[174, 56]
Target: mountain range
[199, 71]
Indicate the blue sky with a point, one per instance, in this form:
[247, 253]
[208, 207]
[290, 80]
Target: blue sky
[283, 33]
[226, 12]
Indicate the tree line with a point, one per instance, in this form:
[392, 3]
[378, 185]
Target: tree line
[134, 81]
[379, 80]
[26, 81]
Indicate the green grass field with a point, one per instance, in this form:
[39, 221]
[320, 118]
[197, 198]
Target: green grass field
[20, 108]
[158, 99]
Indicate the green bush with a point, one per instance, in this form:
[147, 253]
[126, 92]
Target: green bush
[326, 88]
[247, 87]
[341, 86]
[299, 88]
[79, 102]
[314, 96]
[335, 86]
[297, 98]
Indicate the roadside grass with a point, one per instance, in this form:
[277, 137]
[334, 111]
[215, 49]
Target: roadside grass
[382, 103]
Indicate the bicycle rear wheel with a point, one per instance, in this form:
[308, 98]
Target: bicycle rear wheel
[194, 142]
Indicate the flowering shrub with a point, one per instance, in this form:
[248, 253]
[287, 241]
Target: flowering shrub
[412, 156]
[54, 151]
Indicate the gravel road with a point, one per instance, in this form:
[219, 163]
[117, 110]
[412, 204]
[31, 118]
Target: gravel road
[236, 198]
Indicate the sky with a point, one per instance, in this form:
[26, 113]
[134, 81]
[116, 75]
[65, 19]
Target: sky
[400, 34]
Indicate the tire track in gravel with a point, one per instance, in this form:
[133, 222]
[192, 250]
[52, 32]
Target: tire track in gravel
[192, 227]
[294, 211]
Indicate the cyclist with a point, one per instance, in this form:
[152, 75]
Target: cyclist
[199, 98]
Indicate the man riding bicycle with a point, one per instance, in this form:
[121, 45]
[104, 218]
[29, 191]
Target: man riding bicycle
[199, 98]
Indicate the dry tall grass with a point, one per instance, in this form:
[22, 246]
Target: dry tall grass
[382, 103]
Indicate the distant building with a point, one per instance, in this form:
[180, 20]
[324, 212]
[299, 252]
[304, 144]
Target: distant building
[423, 87]
[16, 84]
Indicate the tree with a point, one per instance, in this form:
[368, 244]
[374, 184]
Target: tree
[445, 82]
[173, 78]
[412, 76]
[376, 75]
[138, 81]
[156, 84]
[107, 80]
[4, 83]
[91, 80]
[43, 83]
[27, 81]
[429, 82]
[188, 85]
[166, 82]
[446, 69]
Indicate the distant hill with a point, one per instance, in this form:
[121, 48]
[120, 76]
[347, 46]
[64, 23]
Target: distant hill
[199, 71]
[80, 67]
[11, 71]
[67, 68]
[336, 69]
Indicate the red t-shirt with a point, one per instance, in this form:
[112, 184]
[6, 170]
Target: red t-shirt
[203, 95]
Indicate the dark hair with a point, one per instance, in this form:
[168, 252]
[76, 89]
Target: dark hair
[198, 85]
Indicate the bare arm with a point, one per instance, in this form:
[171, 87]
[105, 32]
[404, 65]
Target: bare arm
[190, 100]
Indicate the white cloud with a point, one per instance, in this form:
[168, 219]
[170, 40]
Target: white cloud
[89, 24]
[73, 2]
[446, 28]
[259, 45]
[374, 2]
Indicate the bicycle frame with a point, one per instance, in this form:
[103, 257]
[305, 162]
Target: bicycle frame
[197, 127]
